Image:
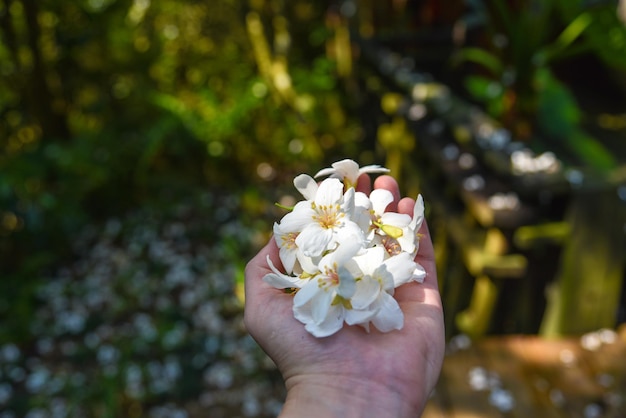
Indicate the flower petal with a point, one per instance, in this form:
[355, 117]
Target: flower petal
[346, 168]
[367, 291]
[296, 220]
[402, 267]
[306, 185]
[331, 324]
[400, 220]
[370, 259]
[373, 169]
[389, 315]
[418, 213]
[380, 198]
[358, 317]
[279, 281]
[330, 192]
[320, 306]
[313, 240]
[347, 283]
[306, 294]
[419, 273]
[288, 258]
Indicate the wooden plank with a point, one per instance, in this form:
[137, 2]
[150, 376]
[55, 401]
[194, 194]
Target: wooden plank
[459, 396]
[604, 351]
[522, 376]
[591, 276]
[514, 392]
[560, 375]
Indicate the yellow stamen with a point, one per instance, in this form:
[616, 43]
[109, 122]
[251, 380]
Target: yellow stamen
[343, 301]
[392, 231]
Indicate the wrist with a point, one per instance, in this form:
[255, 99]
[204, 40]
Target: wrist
[330, 396]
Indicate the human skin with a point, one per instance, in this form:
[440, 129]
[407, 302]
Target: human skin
[352, 373]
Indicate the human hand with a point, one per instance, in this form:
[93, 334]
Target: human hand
[352, 373]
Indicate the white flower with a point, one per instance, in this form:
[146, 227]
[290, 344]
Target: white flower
[343, 255]
[376, 287]
[282, 281]
[323, 303]
[288, 250]
[399, 232]
[318, 221]
[348, 171]
[362, 214]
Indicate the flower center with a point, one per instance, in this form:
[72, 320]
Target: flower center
[329, 278]
[392, 246]
[289, 240]
[327, 215]
[343, 301]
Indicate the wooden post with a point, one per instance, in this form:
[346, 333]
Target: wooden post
[586, 296]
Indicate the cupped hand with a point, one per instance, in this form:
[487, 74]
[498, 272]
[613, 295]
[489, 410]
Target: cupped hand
[352, 372]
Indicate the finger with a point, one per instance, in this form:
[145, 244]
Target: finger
[389, 183]
[257, 267]
[426, 255]
[364, 184]
[406, 205]
[426, 292]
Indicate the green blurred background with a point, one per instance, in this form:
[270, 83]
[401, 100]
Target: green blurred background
[144, 143]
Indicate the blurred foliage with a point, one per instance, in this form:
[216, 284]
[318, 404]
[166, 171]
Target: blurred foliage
[111, 107]
[510, 66]
[106, 104]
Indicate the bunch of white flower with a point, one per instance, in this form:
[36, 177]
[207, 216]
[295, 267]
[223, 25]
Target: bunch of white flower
[344, 255]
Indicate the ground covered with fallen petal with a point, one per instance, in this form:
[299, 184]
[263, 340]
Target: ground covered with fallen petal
[144, 322]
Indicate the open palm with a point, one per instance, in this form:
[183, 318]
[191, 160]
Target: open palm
[352, 366]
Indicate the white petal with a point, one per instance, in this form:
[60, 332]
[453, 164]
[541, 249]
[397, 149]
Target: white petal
[313, 240]
[298, 218]
[331, 324]
[325, 172]
[399, 220]
[359, 317]
[389, 316]
[308, 264]
[380, 198]
[362, 200]
[347, 283]
[367, 291]
[306, 185]
[370, 260]
[362, 217]
[418, 213]
[349, 246]
[402, 267]
[348, 203]
[288, 258]
[351, 229]
[384, 277]
[346, 166]
[311, 303]
[330, 192]
[306, 294]
[419, 273]
[407, 242]
[320, 306]
[347, 170]
[373, 169]
[280, 281]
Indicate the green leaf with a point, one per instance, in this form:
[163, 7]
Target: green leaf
[483, 88]
[479, 56]
[566, 38]
[559, 117]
